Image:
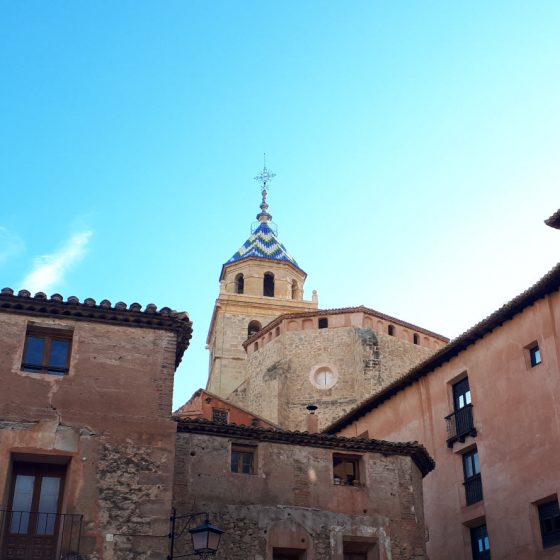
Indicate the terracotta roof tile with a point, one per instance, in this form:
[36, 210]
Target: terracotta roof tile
[339, 311]
[414, 450]
[121, 313]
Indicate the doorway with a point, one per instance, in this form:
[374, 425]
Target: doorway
[31, 524]
[288, 554]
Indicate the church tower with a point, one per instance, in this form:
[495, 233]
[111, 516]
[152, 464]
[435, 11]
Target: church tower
[260, 282]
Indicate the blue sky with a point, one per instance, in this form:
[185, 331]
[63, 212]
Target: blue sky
[416, 147]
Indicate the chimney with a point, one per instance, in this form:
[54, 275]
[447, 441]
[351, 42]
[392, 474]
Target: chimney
[312, 420]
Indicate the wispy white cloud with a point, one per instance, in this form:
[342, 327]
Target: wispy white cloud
[10, 244]
[49, 270]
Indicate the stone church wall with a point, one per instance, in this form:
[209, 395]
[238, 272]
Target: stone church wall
[281, 384]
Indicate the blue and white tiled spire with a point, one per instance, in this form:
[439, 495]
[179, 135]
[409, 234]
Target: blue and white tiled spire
[263, 243]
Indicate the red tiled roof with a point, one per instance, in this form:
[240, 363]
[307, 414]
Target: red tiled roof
[414, 450]
[88, 310]
[340, 311]
[548, 284]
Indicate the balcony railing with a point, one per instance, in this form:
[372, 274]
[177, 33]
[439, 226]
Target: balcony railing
[460, 425]
[473, 489]
[37, 531]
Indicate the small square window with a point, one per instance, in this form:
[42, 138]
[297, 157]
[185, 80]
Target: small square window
[346, 470]
[535, 355]
[243, 459]
[549, 517]
[323, 323]
[47, 351]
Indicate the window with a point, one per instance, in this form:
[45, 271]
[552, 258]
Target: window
[253, 328]
[391, 330]
[243, 459]
[268, 284]
[535, 355]
[47, 351]
[415, 339]
[323, 376]
[239, 284]
[359, 548]
[549, 517]
[35, 487]
[294, 289]
[346, 470]
[220, 415]
[323, 323]
[473, 482]
[461, 394]
[480, 543]
[460, 423]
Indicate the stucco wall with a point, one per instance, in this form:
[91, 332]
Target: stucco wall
[291, 500]
[516, 414]
[108, 420]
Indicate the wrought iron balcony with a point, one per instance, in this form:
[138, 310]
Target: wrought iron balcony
[32, 534]
[460, 425]
[473, 489]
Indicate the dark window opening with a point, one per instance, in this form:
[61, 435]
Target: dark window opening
[268, 284]
[294, 289]
[416, 339]
[288, 554]
[549, 517]
[346, 470]
[391, 330]
[239, 284]
[480, 543]
[47, 351]
[473, 481]
[243, 459]
[323, 323]
[220, 415]
[253, 328]
[460, 423]
[461, 394]
[535, 355]
[357, 550]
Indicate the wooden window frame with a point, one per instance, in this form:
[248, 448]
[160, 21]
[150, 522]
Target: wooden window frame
[356, 460]
[49, 335]
[243, 449]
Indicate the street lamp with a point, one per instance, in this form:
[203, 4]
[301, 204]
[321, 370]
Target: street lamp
[206, 539]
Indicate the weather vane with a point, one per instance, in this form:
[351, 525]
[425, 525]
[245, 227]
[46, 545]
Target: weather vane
[265, 177]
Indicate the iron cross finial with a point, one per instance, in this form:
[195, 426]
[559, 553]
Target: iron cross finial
[265, 177]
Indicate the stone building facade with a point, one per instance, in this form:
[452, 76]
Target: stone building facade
[331, 359]
[271, 351]
[486, 407]
[302, 496]
[86, 434]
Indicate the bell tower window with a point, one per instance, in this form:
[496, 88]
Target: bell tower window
[268, 284]
[294, 289]
[253, 328]
[239, 284]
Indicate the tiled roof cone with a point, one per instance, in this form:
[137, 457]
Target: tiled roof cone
[263, 242]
